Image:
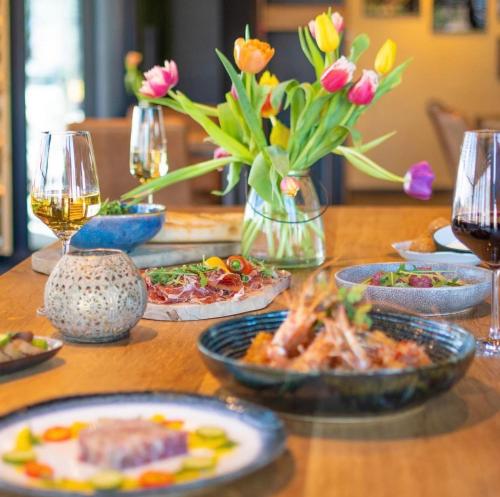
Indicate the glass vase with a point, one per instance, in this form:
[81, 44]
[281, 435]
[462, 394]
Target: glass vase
[288, 232]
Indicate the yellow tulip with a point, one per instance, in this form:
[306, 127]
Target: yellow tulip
[270, 81]
[384, 61]
[327, 37]
[252, 55]
[280, 135]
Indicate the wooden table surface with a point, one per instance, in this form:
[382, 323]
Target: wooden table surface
[448, 448]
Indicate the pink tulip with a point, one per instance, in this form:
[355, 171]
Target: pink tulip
[159, 80]
[418, 181]
[289, 186]
[234, 93]
[338, 23]
[219, 153]
[363, 91]
[338, 75]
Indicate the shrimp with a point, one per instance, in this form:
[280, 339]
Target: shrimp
[297, 330]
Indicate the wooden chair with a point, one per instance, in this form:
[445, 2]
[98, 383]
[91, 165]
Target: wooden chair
[450, 127]
[111, 141]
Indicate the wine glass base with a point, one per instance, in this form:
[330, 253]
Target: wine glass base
[487, 347]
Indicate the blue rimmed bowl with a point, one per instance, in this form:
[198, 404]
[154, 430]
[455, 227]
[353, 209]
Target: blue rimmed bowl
[428, 301]
[123, 231]
[333, 392]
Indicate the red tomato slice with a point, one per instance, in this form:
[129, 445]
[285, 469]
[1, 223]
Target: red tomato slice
[154, 479]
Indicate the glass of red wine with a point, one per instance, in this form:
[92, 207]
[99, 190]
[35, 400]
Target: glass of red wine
[476, 215]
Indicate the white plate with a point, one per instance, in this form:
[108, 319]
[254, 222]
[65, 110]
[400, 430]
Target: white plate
[257, 432]
[445, 238]
[403, 249]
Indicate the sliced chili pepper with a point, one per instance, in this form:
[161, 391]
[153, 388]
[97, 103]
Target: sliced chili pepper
[38, 470]
[238, 264]
[155, 479]
[57, 434]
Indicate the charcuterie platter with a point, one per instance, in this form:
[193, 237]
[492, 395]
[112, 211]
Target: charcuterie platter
[212, 288]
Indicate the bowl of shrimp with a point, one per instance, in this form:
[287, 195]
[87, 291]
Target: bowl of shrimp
[330, 354]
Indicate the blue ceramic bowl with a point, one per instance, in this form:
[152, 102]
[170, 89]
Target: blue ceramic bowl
[333, 392]
[123, 232]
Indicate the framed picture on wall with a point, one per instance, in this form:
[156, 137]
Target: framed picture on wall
[459, 16]
[392, 8]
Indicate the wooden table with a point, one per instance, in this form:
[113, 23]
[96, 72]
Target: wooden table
[449, 448]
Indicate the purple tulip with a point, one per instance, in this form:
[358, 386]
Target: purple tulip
[336, 76]
[418, 181]
[159, 80]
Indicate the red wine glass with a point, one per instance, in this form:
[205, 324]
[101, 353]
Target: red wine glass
[476, 216]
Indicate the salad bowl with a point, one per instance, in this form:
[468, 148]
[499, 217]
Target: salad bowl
[334, 392]
[121, 231]
[428, 301]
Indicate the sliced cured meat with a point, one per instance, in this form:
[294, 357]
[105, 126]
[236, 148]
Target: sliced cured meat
[127, 443]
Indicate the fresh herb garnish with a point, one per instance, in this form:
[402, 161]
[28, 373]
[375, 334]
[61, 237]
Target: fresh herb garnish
[413, 276]
[175, 275]
[113, 208]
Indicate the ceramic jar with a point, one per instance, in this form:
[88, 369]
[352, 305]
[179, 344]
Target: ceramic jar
[95, 295]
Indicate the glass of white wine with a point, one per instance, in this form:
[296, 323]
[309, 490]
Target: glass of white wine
[148, 144]
[65, 189]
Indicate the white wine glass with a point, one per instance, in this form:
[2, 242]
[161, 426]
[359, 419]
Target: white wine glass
[476, 216]
[148, 144]
[65, 189]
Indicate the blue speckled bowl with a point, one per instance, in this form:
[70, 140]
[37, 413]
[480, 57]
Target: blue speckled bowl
[123, 232]
[333, 392]
[428, 301]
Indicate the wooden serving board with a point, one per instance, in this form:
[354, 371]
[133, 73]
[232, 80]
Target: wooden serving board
[148, 255]
[193, 312]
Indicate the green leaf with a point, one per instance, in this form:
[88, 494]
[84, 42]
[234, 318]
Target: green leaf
[176, 176]
[297, 101]
[229, 121]
[360, 44]
[366, 165]
[278, 91]
[317, 57]
[279, 160]
[365, 147]
[248, 112]
[259, 177]
[391, 80]
[303, 45]
[233, 177]
[208, 110]
[220, 137]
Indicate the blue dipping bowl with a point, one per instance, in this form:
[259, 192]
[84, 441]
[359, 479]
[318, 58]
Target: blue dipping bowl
[123, 231]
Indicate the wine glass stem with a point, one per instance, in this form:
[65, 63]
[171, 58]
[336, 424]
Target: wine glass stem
[495, 306]
[65, 245]
[150, 198]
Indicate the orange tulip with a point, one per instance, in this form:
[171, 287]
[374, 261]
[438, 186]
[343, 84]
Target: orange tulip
[252, 55]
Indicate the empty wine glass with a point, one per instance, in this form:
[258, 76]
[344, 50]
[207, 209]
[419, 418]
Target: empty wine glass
[65, 188]
[148, 144]
[476, 215]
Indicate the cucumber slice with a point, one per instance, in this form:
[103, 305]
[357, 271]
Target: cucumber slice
[107, 480]
[198, 463]
[210, 432]
[4, 339]
[19, 456]
[40, 343]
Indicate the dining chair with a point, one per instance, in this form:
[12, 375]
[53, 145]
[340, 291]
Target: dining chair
[111, 141]
[450, 126]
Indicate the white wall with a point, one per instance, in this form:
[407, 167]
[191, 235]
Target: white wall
[460, 70]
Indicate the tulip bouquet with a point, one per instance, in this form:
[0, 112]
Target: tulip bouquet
[282, 218]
